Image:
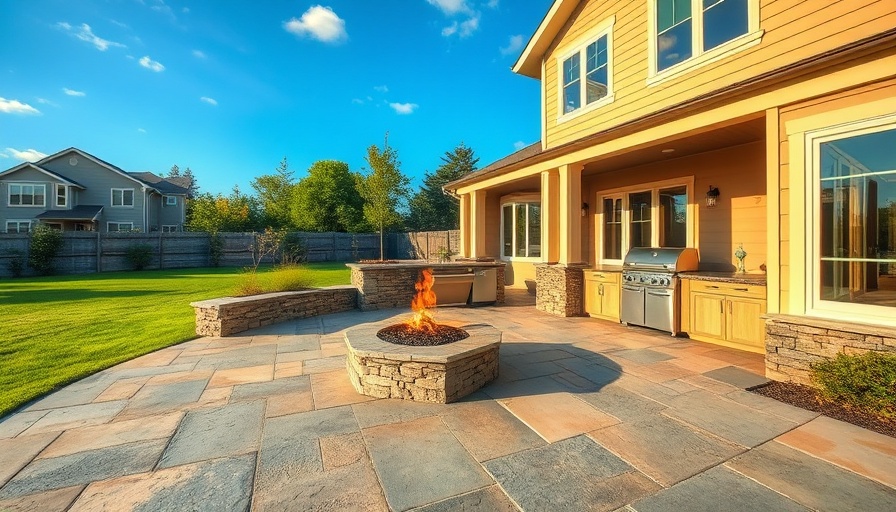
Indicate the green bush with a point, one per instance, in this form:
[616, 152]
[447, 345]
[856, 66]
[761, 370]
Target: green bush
[292, 249]
[16, 263]
[866, 381]
[138, 256]
[43, 247]
[215, 249]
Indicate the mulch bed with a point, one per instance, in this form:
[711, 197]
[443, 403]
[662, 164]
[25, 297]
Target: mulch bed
[403, 334]
[807, 397]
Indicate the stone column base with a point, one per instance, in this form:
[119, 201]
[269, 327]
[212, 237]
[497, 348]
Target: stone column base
[560, 289]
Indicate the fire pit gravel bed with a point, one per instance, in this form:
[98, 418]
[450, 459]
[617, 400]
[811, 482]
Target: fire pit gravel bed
[403, 334]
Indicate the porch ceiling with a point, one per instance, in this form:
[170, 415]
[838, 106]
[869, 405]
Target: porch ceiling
[685, 144]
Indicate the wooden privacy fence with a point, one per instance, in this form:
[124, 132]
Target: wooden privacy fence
[86, 252]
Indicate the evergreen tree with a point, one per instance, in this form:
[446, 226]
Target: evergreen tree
[383, 190]
[193, 187]
[328, 200]
[174, 172]
[275, 196]
[431, 208]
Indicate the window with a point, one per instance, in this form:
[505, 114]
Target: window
[587, 74]
[27, 194]
[122, 197]
[61, 195]
[54, 225]
[700, 31]
[119, 226]
[170, 200]
[169, 229]
[854, 216]
[657, 214]
[18, 226]
[82, 226]
[521, 230]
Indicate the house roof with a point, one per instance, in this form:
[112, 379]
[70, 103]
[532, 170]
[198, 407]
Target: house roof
[80, 212]
[95, 160]
[38, 168]
[529, 62]
[168, 186]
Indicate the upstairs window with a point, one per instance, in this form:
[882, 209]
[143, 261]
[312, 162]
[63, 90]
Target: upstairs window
[586, 74]
[61, 195]
[699, 30]
[122, 197]
[170, 200]
[27, 194]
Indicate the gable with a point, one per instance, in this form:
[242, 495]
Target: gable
[529, 62]
[28, 171]
[66, 159]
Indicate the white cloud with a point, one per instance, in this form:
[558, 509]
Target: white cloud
[29, 155]
[86, 34]
[357, 101]
[210, 101]
[404, 108]
[16, 107]
[319, 23]
[152, 65]
[44, 101]
[199, 54]
[449, 30]
[72, 92]
[469, 26]
[381, 88]
[518, 145]
[141, 130]
[514, 45]
[492, 4]
[186, 10]
[161, 7]
[3, 155]
[451, 7]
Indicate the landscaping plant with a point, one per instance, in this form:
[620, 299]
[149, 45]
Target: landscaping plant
[43, 247]
[139, 256]
[866, 381]
[215, 249]
[16, 263]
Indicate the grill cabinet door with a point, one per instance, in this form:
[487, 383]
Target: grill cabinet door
[658, 309]
[632, 305]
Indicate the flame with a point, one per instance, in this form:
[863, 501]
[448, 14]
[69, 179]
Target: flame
[424, 300]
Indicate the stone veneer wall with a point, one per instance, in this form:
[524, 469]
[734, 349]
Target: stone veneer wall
[422, 381]
[231, 315]
[793, 343]
[392, 286]
[560, 289]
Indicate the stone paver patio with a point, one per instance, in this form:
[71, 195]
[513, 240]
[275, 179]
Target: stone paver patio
[585, 415]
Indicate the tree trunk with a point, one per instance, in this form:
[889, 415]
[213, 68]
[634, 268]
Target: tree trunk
[382, 246]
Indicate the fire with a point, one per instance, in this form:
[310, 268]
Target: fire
[424, 300]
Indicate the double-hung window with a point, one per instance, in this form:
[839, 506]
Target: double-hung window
[587, 73]
[699, 31]
[27, 194]
[851, 219]
[170, 200]
[654, 215]
[61, 195]
[521, 230]
[119, 226]
[123, 197]
[18, 226]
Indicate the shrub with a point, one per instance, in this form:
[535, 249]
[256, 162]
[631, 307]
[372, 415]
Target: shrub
[284, 278]
[215, 249]
[138, 256]
[292, 249]
[16, 262]
[43, 247]
[248, 284]
[866, 381]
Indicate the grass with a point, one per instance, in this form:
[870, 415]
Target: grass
[55, 330]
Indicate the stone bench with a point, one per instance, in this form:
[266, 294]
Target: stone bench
[232, 315]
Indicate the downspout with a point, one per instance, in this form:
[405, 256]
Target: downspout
[145, 213]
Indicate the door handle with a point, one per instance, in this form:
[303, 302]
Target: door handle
[600, 289]
[730, 307]
[742, 289]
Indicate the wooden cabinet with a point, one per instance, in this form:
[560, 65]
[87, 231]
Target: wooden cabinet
[728, 314]
[602, 294]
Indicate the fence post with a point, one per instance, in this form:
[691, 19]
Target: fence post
[161, 251]
[99, 252]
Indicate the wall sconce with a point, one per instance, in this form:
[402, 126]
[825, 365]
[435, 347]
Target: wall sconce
[712, 197]
[584, 209]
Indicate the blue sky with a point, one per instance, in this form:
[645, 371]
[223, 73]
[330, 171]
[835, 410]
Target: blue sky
[229, 88]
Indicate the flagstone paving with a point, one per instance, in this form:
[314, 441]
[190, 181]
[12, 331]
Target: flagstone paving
[585, 415]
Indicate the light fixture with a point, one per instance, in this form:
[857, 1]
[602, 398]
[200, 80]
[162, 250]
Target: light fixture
[668, 150]
[712, 197]
[584, 209]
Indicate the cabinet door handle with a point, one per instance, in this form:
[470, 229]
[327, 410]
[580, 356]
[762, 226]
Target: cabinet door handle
[730, 307]
[742, 289]
[722, 307]
[714, 287]
[600, 289]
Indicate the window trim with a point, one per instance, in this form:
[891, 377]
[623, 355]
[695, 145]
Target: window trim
[17, 222]
[26, 184]
[168, 200]
[170, 228]
[119, 224]
[654, 187]
[605, 28]
[814, 305]
[699, 57]
[64, 195]
[515, 199]
[122, 191]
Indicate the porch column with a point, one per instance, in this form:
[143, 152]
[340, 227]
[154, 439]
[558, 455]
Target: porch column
[465, 226]
[550, 216]
[570, 213]
[477, 217]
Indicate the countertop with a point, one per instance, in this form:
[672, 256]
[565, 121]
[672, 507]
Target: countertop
[726, 277]
[405, 264]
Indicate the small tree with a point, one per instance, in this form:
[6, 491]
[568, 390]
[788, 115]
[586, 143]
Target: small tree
[43, 247]
[327, 199]
[139, 256]
[274, 193]
[431, 208]
[383, 190]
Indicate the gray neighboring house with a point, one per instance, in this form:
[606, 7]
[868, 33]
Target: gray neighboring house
[75, 191]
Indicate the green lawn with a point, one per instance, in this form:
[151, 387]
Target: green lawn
[55, 330]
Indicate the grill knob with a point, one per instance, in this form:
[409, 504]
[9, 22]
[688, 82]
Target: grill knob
[654, 281]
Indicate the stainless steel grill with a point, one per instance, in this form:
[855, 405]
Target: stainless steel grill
[650, 286]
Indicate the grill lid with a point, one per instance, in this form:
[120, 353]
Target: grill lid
[669, 259]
